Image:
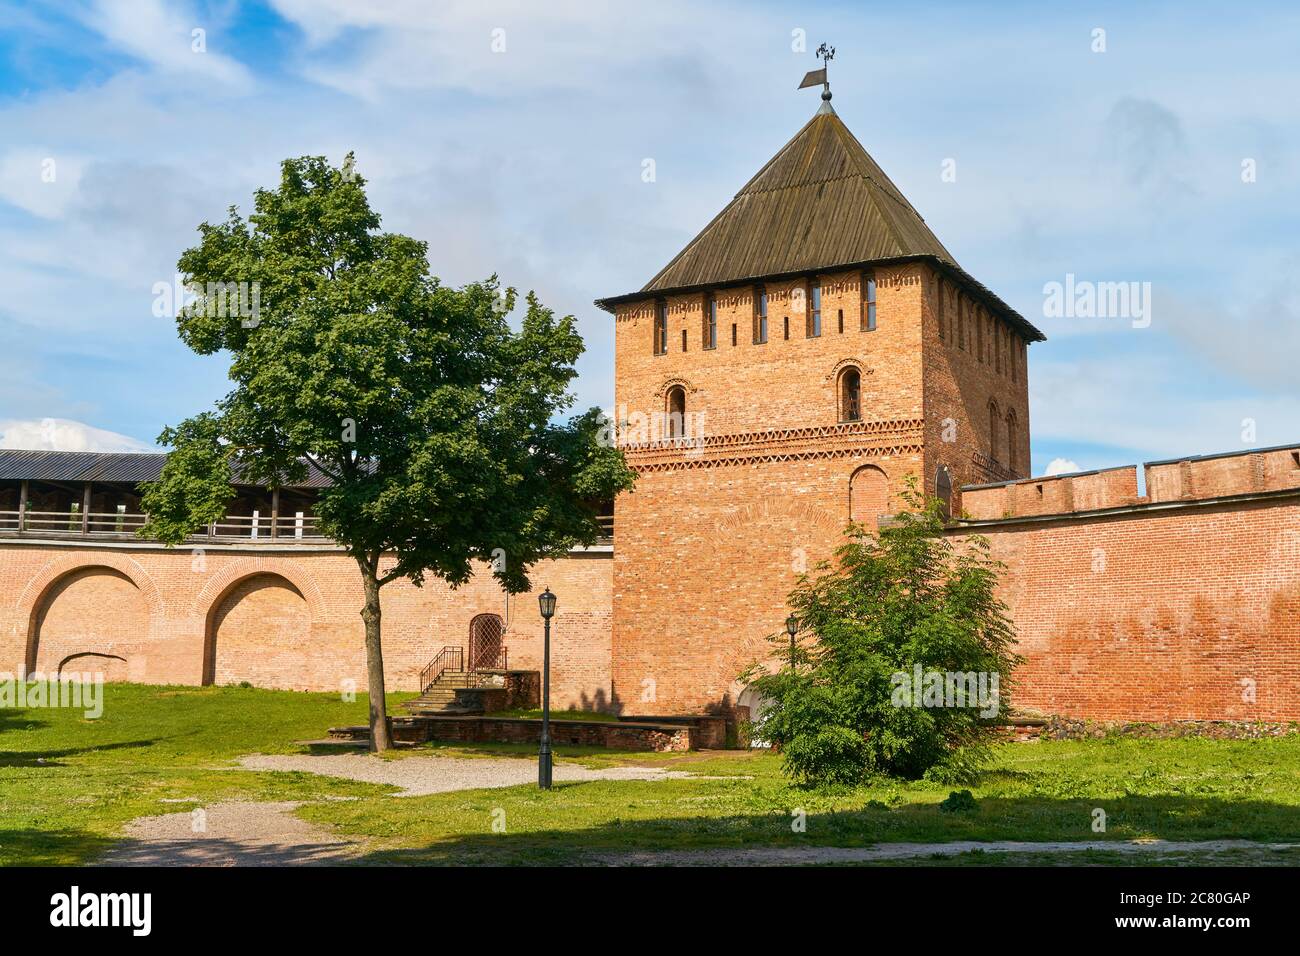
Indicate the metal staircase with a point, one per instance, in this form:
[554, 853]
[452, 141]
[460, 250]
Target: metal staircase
[443, 676]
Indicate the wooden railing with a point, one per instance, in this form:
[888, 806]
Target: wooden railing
[297, 527]
[285, 528]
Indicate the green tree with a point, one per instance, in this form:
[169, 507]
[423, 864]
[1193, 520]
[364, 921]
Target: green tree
[841, 701]
[434, 419]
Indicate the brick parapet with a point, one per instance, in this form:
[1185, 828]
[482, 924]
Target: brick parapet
[1187, 480]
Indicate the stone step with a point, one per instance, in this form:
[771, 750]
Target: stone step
[427, 707]
[361, 743]
[425, 704]
[335, 742]
[360, 731]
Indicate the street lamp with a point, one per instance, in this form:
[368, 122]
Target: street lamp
[546, 602]
[792, 628]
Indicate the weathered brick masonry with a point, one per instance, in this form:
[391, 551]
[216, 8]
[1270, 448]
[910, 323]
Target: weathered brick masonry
[1181, 604]
[286, 617]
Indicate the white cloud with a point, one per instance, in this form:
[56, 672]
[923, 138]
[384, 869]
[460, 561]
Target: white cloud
[39, 181]
[62, 434]
[513, 47]
[1060, 466]
[527, 163]
[1253, 333]
[163, 35]
[1154, 405]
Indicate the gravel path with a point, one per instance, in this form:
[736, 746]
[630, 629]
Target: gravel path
[800, 855]
[234, 833]
[417, 776]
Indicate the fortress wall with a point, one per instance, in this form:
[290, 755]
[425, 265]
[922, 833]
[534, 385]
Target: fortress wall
[1187, 479]
[1184, 604]
[286, 618]
[1060, 494]
[1270, 469]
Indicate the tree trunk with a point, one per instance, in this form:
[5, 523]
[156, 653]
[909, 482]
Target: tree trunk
[380, 738]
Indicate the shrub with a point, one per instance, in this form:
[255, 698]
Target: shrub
[843, 702]
[959, 801]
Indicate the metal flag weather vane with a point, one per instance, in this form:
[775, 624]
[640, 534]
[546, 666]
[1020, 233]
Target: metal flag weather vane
[813, 77]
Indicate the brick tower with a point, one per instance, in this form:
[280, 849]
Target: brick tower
[813, 345]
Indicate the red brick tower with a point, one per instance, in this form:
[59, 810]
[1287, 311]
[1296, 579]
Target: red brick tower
[814, 344]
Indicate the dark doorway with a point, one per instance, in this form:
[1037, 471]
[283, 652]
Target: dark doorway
[485, 645]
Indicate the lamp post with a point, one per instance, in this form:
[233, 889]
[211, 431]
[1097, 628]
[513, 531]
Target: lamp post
[792, 628]
[546, 602]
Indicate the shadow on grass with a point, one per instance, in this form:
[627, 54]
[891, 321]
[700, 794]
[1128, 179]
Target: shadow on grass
[219, 851]
[14, 718]
[50, 758]
[27, 847]
[1027, 819]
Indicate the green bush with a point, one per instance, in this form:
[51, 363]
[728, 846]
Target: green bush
[843, 700]
[959, 801]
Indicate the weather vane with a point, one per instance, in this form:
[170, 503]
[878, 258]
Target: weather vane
[813, 77]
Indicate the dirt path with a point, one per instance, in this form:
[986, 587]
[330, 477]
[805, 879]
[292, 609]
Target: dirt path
[882, 852]
[418, 776]
[269, 834]
[229, 834]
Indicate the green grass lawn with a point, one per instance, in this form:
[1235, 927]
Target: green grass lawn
[68, 785]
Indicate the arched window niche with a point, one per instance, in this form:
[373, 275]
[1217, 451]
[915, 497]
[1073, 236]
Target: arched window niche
[850, 394]
[675, 408]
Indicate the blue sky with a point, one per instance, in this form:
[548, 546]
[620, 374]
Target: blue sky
[1117, 165]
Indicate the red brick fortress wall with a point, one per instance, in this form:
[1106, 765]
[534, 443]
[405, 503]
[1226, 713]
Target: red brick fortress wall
[1183, 604]
[285, 617]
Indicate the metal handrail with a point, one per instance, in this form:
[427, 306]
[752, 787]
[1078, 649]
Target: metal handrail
[450, 658]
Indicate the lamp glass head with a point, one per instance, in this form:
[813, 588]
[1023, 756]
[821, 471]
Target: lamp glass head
[546, 602]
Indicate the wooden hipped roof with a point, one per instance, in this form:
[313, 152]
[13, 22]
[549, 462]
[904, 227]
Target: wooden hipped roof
[120, 467]
[819, 204]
